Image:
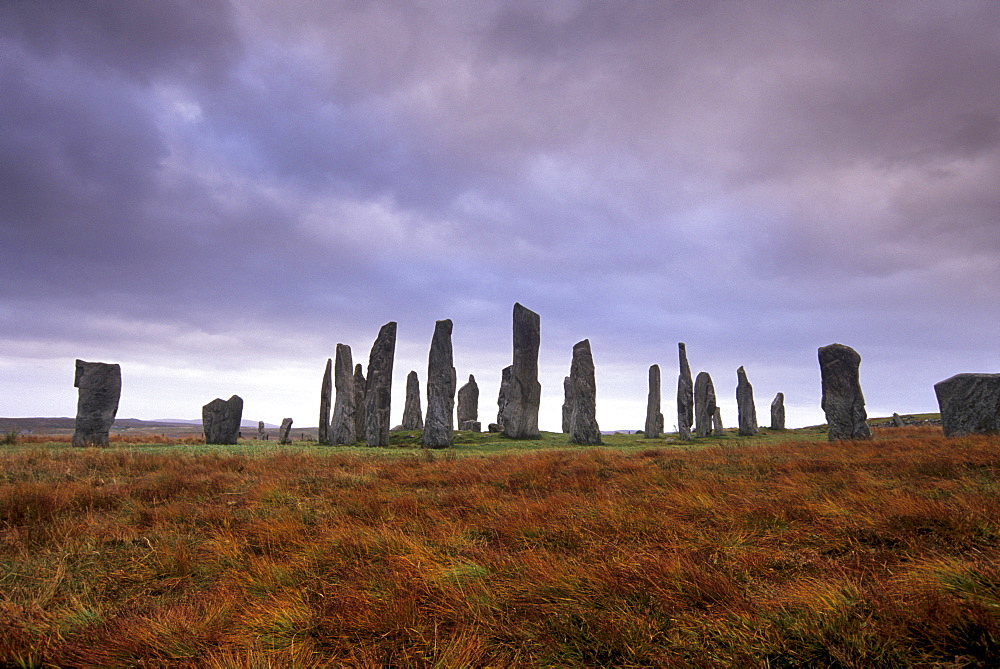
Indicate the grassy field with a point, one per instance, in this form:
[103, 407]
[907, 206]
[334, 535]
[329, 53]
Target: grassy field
[777, 550]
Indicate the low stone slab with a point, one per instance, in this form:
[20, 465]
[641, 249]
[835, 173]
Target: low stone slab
[970, 404]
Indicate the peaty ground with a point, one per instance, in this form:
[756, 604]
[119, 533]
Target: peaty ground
[783, 550]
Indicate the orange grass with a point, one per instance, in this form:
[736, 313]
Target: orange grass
[883, 553]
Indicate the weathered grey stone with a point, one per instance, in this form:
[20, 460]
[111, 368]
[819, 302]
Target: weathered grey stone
[378, 390]
[468, 401]
[504, 395]
[438, 427]
[897, 421]
[685, 396]
[359, 402]
[344, 427]
[286, 427]
[325, 402]
[778, 412]
[100, 385]
[493, 427]
[261, 433]
[970, 404]
[747, 412]
[583, 427]
[520, 421]
[704, 404]
[843, 402]
[221, 420]
[471, 426]
[717, 428]
[412, 418]
[654, 419]
[567, 407]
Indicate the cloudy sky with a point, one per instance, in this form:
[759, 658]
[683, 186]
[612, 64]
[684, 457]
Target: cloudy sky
[214, 194]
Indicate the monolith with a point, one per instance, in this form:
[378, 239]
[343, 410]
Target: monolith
[654, 419]
[221, 420]
[717, 429]
[438, 427]
[704, 404]
[359, 402]
[503, 397]
[378, 390]
[685, 396]
[778, 412]
[100, 385]
[344, 426]
[567, 407]
[286, 427]
[521, 418]
[325, 402]
[261, 433]
[843, 402]
[468, 402]
[583, 427]
[412, 418]
[747, 412]
[897, 420]
[969, 403]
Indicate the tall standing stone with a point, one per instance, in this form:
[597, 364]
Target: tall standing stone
[843, 402]
[344, 427]
[325, 400]
[468, 402]
[778, 412]
[412, 420]
[685, 396]
[521, 418]
[261, 434]
[503, 397]
[717, 428]
[654, 419]
[221, 420]
[378, 392]
[583, 423]
[567, 407]
[100, 385]
[744, 404]
[286, 427]
[969, 403]
[438, 427]
[704, 404]
[359, 402]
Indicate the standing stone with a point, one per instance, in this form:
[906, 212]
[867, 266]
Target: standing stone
[704, 404]
[685, 396]
[778, 412]
[744, 404]
[438, 427]
[344, 427]
[325, 392]
[100, 385]
[843, 401]
[378, 392]
[468, 402]
[412, 420]
[221, 420]
[717, 429]
[520, 421]
[583, 427]
[654, 419]
[359, 403]
[897, 420]
[261, 434]
[504, 396]
[970, 404]
[567, 407]
[286, 427]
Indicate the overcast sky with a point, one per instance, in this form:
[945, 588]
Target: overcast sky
[214, 194]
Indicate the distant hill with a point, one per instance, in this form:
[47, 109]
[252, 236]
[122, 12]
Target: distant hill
[59, 426]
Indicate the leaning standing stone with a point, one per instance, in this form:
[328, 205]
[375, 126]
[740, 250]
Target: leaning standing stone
[438, 427]
[521, 418]
[778, 412]
[970, 404]
[504, 395]
[286, 427]
[378, 393]
[343, 428]
[704, 404]
[685, 396]
[567, 407]
[843, 401]
[717, 429]
[221, 420]
[654, 419]
[583, 423]
[325, 398]
[100, 387]
[468, 402]
[744, 404]
[412, 420]
[359, 403]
